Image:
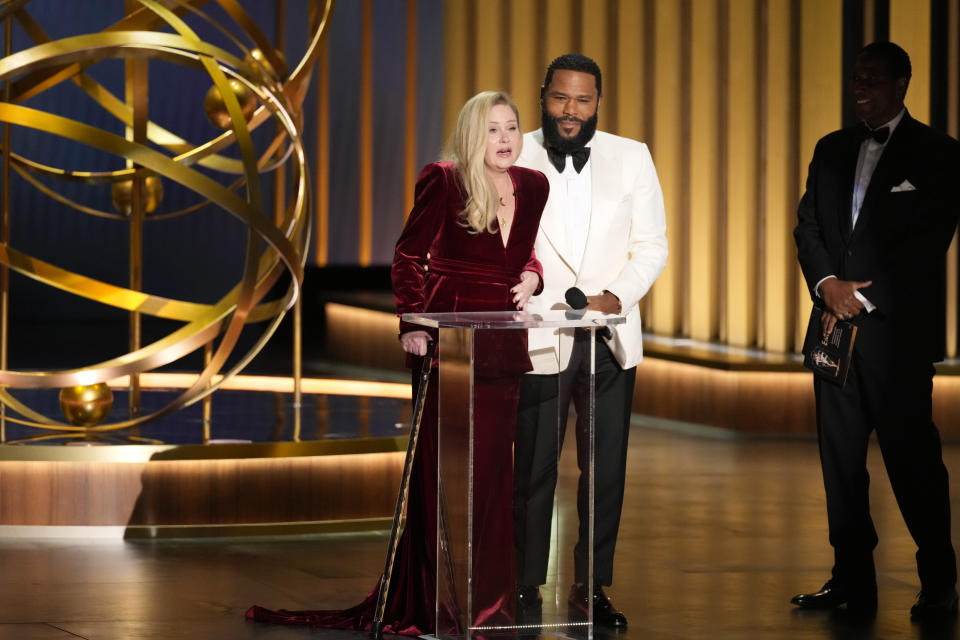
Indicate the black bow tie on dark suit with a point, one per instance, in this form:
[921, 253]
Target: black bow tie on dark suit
[880, 135]
[559, 160]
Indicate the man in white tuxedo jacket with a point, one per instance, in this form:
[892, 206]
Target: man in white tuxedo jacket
[603, 231]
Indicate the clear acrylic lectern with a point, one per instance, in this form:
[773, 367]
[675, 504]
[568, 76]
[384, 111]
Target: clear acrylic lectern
[469, 344]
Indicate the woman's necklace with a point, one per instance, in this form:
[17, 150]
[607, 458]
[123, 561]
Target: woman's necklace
[507, 200]
[502, 216]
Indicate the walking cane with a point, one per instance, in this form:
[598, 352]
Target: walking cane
[376, 627]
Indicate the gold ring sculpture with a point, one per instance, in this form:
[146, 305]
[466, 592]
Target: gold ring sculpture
[251, 87]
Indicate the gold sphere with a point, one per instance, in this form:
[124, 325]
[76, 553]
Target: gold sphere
[86, 405]
[256, 59]
[122, 195]
[217, 111]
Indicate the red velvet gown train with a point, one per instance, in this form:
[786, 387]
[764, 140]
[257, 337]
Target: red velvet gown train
[439, 266]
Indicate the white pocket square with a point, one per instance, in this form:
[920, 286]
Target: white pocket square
[903, 186]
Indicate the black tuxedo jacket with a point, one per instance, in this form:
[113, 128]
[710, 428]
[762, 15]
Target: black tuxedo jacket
[905, 225]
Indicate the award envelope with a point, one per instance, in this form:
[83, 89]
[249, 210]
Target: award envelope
[829, 356]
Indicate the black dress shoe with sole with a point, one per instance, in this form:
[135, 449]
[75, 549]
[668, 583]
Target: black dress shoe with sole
[936, 604]
[832, 597]
[529, 605]
[604, 613]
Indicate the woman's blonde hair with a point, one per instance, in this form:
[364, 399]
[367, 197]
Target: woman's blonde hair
[466, 149]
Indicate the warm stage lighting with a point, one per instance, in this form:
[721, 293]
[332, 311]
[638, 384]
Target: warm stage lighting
[363, 388]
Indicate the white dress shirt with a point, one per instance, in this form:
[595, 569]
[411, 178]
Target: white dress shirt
[870, 151]
[576, 204]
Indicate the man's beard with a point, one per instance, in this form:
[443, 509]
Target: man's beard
[553, 139]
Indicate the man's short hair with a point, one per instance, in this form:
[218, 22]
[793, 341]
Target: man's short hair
[897, 60]
[573, 62]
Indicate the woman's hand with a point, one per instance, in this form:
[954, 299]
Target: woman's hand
[529, 281]
[415, 342]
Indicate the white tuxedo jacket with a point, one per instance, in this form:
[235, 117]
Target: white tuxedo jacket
[626, 246]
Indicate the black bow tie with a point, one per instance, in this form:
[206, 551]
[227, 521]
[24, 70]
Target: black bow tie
[880, 135]
[559, 160]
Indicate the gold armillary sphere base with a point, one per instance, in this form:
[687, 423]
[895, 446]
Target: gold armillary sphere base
[86, 405]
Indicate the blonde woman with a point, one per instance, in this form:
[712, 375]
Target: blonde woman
[466, 246]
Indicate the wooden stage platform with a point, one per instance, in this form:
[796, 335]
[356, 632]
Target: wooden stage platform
[717, 535]
[724, 518]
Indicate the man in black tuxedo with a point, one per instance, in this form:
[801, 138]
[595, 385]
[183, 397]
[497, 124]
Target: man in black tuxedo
[873, 229]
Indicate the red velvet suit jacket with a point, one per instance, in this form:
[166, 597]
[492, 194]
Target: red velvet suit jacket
[440, 266]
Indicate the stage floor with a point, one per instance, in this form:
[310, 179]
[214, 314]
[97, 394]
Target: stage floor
[718, 533]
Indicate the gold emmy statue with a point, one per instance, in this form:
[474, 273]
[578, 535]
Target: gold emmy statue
[250, 87]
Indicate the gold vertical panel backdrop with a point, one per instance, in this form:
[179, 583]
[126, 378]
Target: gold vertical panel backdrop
[705, 166]
[820, 96]
[953, 128]
[730, 95]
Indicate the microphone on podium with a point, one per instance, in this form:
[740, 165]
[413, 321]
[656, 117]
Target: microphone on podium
[577, 299]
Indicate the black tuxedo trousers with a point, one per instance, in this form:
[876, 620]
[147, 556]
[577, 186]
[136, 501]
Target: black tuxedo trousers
[894, 400]
[539, 440]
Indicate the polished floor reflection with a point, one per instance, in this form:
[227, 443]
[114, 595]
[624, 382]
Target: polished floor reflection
[717, 535]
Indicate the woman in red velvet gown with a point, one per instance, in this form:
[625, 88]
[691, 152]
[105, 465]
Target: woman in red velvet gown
[466, 246]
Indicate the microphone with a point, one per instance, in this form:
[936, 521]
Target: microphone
[577, 299]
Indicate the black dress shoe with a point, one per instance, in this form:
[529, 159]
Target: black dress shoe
[830, 597]
[604, 613]
[529, 605]
[935, 604]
